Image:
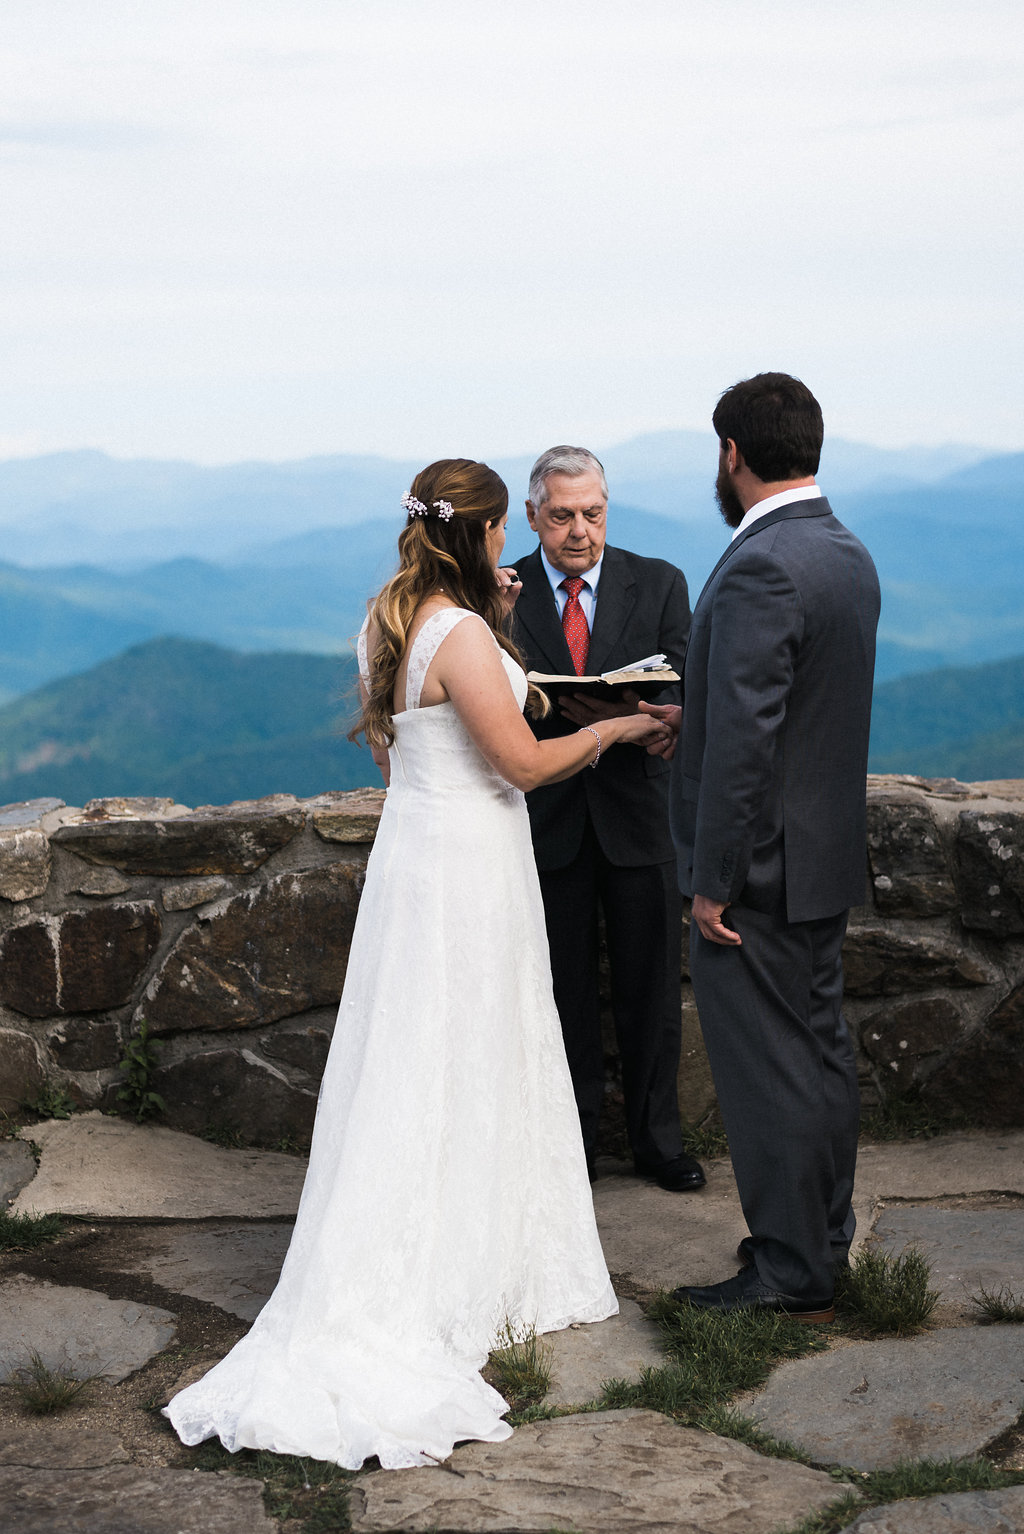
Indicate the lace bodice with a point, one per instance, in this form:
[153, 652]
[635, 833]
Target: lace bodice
[432, 748]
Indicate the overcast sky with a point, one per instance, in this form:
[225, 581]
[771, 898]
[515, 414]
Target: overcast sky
[274, 228]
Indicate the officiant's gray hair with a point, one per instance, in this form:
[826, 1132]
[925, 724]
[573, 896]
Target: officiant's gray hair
[572, 461]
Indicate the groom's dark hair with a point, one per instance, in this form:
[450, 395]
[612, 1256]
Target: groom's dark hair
[776, 424]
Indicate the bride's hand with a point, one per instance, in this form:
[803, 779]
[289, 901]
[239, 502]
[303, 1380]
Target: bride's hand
[509, 585]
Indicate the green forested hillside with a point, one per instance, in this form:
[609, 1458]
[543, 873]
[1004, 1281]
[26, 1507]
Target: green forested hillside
[962, 722]
[186, 719]
[206, 725]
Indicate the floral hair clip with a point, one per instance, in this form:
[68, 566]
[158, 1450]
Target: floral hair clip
[415, 508]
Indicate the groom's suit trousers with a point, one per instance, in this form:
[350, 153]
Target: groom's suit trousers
[786, 1078]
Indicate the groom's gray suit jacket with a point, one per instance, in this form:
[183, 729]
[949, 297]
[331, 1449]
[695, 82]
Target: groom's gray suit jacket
[768, 781]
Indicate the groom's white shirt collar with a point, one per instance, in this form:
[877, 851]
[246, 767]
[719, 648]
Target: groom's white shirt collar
[804, 493]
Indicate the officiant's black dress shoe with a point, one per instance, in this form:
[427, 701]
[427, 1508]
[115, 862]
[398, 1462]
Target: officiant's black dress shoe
[680, 1175]
[748, 1292]
[745, 1255]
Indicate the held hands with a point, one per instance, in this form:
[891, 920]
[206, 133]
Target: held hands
[670, 715]
[708, 916]
[635, 728]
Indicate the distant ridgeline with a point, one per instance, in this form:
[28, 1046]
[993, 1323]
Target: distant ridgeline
[202, 725]
[98, 555]
[276, 561]
[186, 720]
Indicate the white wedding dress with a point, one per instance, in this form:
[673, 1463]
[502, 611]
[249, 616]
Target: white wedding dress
[447, 1191]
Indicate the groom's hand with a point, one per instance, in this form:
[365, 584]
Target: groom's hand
[671, 715]
[708, 916]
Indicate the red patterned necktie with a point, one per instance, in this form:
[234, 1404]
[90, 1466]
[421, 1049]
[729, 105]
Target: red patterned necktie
[574, 623]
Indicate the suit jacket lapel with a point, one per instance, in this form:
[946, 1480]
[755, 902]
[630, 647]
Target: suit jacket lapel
[536, 614]
[616, 598]
[816, 508]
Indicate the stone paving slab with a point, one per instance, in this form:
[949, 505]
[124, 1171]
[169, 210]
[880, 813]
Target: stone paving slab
[659, 1240]
[968, 1249]
[583, 1357]
[17, 1169]
[131, 1499]
[111, 1168]
[606, 1473]
[52, 1443]
[944, 1395]
[234, 1266]
[979, 1162]
[965, 1512]
[77, 1331]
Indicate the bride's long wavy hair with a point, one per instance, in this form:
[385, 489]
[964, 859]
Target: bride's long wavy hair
[437, 553]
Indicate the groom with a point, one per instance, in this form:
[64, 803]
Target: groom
[768, 815]
[602, 838]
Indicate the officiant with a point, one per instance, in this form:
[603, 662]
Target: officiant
[602, 838]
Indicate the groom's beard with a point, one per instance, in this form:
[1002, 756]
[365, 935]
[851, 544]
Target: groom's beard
[729, 503]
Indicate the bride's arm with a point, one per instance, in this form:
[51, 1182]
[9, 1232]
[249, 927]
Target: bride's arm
[468, 665]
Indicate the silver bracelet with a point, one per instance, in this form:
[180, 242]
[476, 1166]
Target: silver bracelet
[597, 737]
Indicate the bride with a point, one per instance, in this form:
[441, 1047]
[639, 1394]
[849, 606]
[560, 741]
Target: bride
[447, 1196]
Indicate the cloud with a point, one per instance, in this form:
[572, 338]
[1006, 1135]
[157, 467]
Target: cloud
[93, 137]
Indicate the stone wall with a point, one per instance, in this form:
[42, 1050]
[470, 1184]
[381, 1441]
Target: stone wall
[227, 929]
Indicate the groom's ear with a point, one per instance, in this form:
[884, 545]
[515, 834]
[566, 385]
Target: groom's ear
[732, 458]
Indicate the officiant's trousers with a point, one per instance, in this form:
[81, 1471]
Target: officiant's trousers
[643, 913]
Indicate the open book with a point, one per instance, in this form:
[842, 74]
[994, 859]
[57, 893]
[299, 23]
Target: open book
[646, 677]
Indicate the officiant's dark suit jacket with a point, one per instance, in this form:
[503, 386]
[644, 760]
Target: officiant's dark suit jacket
[602, 843]
[768, 796]
[642, 609]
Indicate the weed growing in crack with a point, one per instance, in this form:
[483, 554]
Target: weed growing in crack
[22, 1232]
[294, 1487]
[712, 1357]
[51, 1102]
[887, 1294]
[42, 1390]
[993, 1305]
[520, 1366]
[139, 1063]
[707, 1139]
[908, 1479]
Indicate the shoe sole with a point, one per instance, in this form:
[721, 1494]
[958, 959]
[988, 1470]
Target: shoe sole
[812, 1317]
[821, 1317]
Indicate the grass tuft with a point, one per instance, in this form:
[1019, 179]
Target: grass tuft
[43, 1390]
[906, 1118]
[520, 1366]
[294, 1487]
[21, 1232]
[993, 1305]
[907, 1479]
[705, 1140]
[888, 1295]
[712, 1357]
